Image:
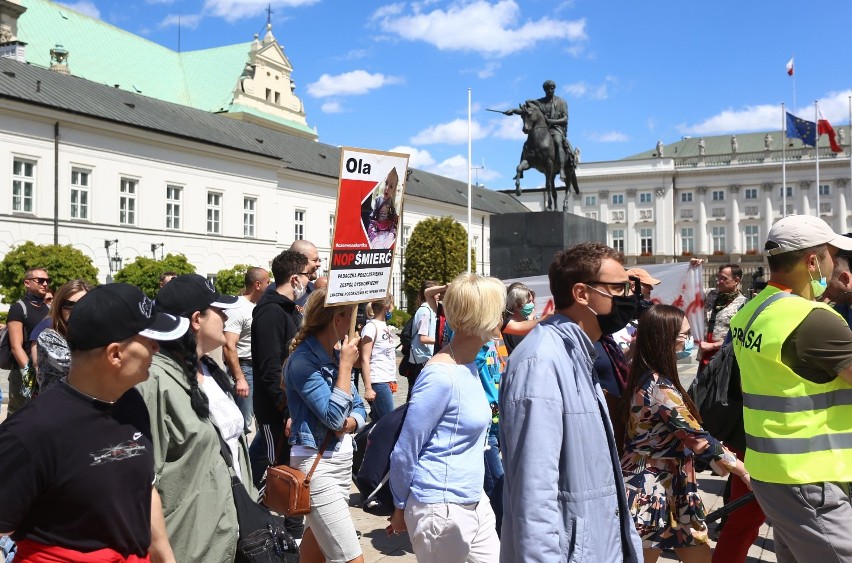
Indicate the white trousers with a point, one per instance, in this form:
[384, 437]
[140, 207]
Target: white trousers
[453, 533]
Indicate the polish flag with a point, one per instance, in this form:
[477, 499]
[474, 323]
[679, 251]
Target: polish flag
[790, 67]
[825, 128]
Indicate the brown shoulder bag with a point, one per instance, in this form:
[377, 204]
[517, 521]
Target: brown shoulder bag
[288, 490]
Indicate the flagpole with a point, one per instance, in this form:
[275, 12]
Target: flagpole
[849, 152]
[469, 164]
[783, 161]
[816, 147]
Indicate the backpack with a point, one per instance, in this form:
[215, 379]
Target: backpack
[7, 359]
[406, 335]
[374, 472]
[717, 396]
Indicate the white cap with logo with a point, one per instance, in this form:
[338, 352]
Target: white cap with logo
[798, 232]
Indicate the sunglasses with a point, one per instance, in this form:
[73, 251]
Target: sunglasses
[68, 305]
[41, 281]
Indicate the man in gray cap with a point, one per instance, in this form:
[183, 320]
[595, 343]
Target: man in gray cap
[77, 463]
[795, 358]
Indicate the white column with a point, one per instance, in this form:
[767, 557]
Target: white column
[768, 213]
[603, 208]
[662, 224]
[736, 236]
[841, 184]
[631, 244]
[701, 244]
[804, 196]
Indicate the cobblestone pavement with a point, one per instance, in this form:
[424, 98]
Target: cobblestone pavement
[378, 546]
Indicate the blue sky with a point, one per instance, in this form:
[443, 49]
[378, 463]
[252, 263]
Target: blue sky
[394, 76]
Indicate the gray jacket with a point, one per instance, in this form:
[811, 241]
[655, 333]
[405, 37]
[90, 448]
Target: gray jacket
[563, 495]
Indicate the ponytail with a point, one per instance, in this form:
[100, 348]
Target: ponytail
[184, 353]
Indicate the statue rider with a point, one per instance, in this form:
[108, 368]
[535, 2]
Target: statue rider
[555, 110]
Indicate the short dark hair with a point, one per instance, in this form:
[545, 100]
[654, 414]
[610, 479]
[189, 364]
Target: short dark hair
[736, 270]
[288, 264]
[165, 275]
[786, 261]
[424, 285]
[578, 264]
[30, 271]
[253, 275]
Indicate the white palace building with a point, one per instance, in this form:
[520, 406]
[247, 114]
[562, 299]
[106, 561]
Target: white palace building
[148, 151]
[714, 197]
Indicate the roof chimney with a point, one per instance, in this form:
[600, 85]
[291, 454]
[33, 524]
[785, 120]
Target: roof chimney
[59, 60]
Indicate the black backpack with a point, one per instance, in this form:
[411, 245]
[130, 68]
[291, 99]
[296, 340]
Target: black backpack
[373, 475]
[717, 396]
[7, 359]
[406, 335]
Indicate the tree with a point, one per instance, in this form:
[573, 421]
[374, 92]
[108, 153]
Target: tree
[62, 262]
[145, 272]
[233, 280]
[436, 251]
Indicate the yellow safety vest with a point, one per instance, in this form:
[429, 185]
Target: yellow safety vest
[797, 431]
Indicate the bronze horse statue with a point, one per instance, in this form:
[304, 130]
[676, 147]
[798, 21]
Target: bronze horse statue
[539, 152]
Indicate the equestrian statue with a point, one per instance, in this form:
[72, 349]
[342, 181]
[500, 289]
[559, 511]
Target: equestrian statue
[547, 148]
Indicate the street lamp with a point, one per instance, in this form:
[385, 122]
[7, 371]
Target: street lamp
[154, 247]
[114, 260]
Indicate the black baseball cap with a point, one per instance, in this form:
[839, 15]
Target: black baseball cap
[118, 311]
[189, 293]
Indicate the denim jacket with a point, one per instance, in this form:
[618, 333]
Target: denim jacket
[316, 405]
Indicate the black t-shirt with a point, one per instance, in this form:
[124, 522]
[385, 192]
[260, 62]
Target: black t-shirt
[36, 311]
[77, 472]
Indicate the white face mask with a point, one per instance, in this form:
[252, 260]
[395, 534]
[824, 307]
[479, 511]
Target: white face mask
[298, 291]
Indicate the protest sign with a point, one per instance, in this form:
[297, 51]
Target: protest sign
[680, 285]
[369, 208]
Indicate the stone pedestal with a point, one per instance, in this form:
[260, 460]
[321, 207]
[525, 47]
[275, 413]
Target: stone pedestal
[523, 244]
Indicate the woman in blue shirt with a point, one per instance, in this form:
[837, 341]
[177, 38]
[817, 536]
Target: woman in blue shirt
[325, 409]
[437, 473]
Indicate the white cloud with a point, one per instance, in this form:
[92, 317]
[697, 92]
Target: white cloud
[189, 21]
[592, 91]
[510, 128]
[354, 54]
[418, 158]
[609, 137]
[762, 117]
[352, 83]
[232, 10]
[331, 106]
[488, 70]
[85, 7]
[159, 1]
[452, 133]
[480, 26]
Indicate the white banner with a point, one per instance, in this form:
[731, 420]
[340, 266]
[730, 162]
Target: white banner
[680, 285]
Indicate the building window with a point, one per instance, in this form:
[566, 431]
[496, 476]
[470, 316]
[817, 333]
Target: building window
[406, 234]
[173, 204]
[249, 205]
[214, 213]
[592, 215]
[278, 98]
[789, 192]
[299, 225]
[591, 200]
[646, 241]
[686, 197]
[645, 197]
[824, 189]
[80, 193]
[719, 239]
[618, 239]
[618, 199]
[127, 202]
[752, 238]
[687, 240]
[268, 95]
[718, 195]
[331, 219]
[23, 185]
[751, 193]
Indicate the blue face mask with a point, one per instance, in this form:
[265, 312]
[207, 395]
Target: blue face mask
[688, 347]
[527, 310]
[388, 315]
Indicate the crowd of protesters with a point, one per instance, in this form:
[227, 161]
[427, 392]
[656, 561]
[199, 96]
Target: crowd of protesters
[563, 437]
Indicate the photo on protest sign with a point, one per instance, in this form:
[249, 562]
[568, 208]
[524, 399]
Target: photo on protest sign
[367, 225]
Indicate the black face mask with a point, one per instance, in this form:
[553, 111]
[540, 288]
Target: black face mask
[623, 311]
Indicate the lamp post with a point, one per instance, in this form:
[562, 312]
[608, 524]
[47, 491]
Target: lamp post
[114, 260]
[154, 247]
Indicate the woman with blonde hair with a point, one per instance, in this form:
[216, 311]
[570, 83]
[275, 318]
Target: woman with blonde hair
[378, 358]
[437, 472]
[53, 358]
[325, 410]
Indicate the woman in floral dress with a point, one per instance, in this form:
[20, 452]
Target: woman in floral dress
[663, 438]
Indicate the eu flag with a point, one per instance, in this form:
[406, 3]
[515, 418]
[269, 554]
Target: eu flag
[801, 129]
